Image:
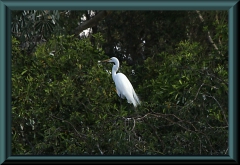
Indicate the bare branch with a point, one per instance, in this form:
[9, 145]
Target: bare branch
[171, 121]
[211, 127]
[209, 35]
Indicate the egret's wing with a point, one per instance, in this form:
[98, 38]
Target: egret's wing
[125, 88]
[122, 83]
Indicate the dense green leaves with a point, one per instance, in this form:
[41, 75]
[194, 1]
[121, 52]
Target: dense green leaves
[64, 101]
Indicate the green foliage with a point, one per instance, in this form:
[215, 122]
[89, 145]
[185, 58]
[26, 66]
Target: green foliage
[188, 98]
[64, 101]
[33, 27]
[140, 34]
[50, 88]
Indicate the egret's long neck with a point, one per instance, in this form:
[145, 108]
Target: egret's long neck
[115, 69]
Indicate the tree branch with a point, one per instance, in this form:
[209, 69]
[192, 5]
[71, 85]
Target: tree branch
[209, 35]
[92, 22]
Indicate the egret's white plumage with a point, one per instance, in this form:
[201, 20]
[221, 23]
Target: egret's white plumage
[123, 85]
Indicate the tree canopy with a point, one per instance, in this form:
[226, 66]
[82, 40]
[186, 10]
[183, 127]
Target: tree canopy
[64, 101]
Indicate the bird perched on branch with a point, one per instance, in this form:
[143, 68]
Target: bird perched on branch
[123, 85]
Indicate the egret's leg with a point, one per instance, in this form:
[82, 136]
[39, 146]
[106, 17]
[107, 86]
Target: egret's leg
[120, 98]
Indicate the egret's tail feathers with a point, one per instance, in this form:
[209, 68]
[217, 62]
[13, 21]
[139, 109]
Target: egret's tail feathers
[134, 104]
[137, 101]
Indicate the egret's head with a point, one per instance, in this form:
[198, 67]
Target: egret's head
[112, 59]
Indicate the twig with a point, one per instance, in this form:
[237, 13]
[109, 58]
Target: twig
[226, 151]
[99, 149]
[220, 107]
[211, 127]
[198, 92]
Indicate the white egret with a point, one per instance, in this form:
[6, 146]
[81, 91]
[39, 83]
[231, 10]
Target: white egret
[123, 86]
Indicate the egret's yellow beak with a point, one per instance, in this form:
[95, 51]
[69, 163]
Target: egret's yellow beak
[105, 60]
